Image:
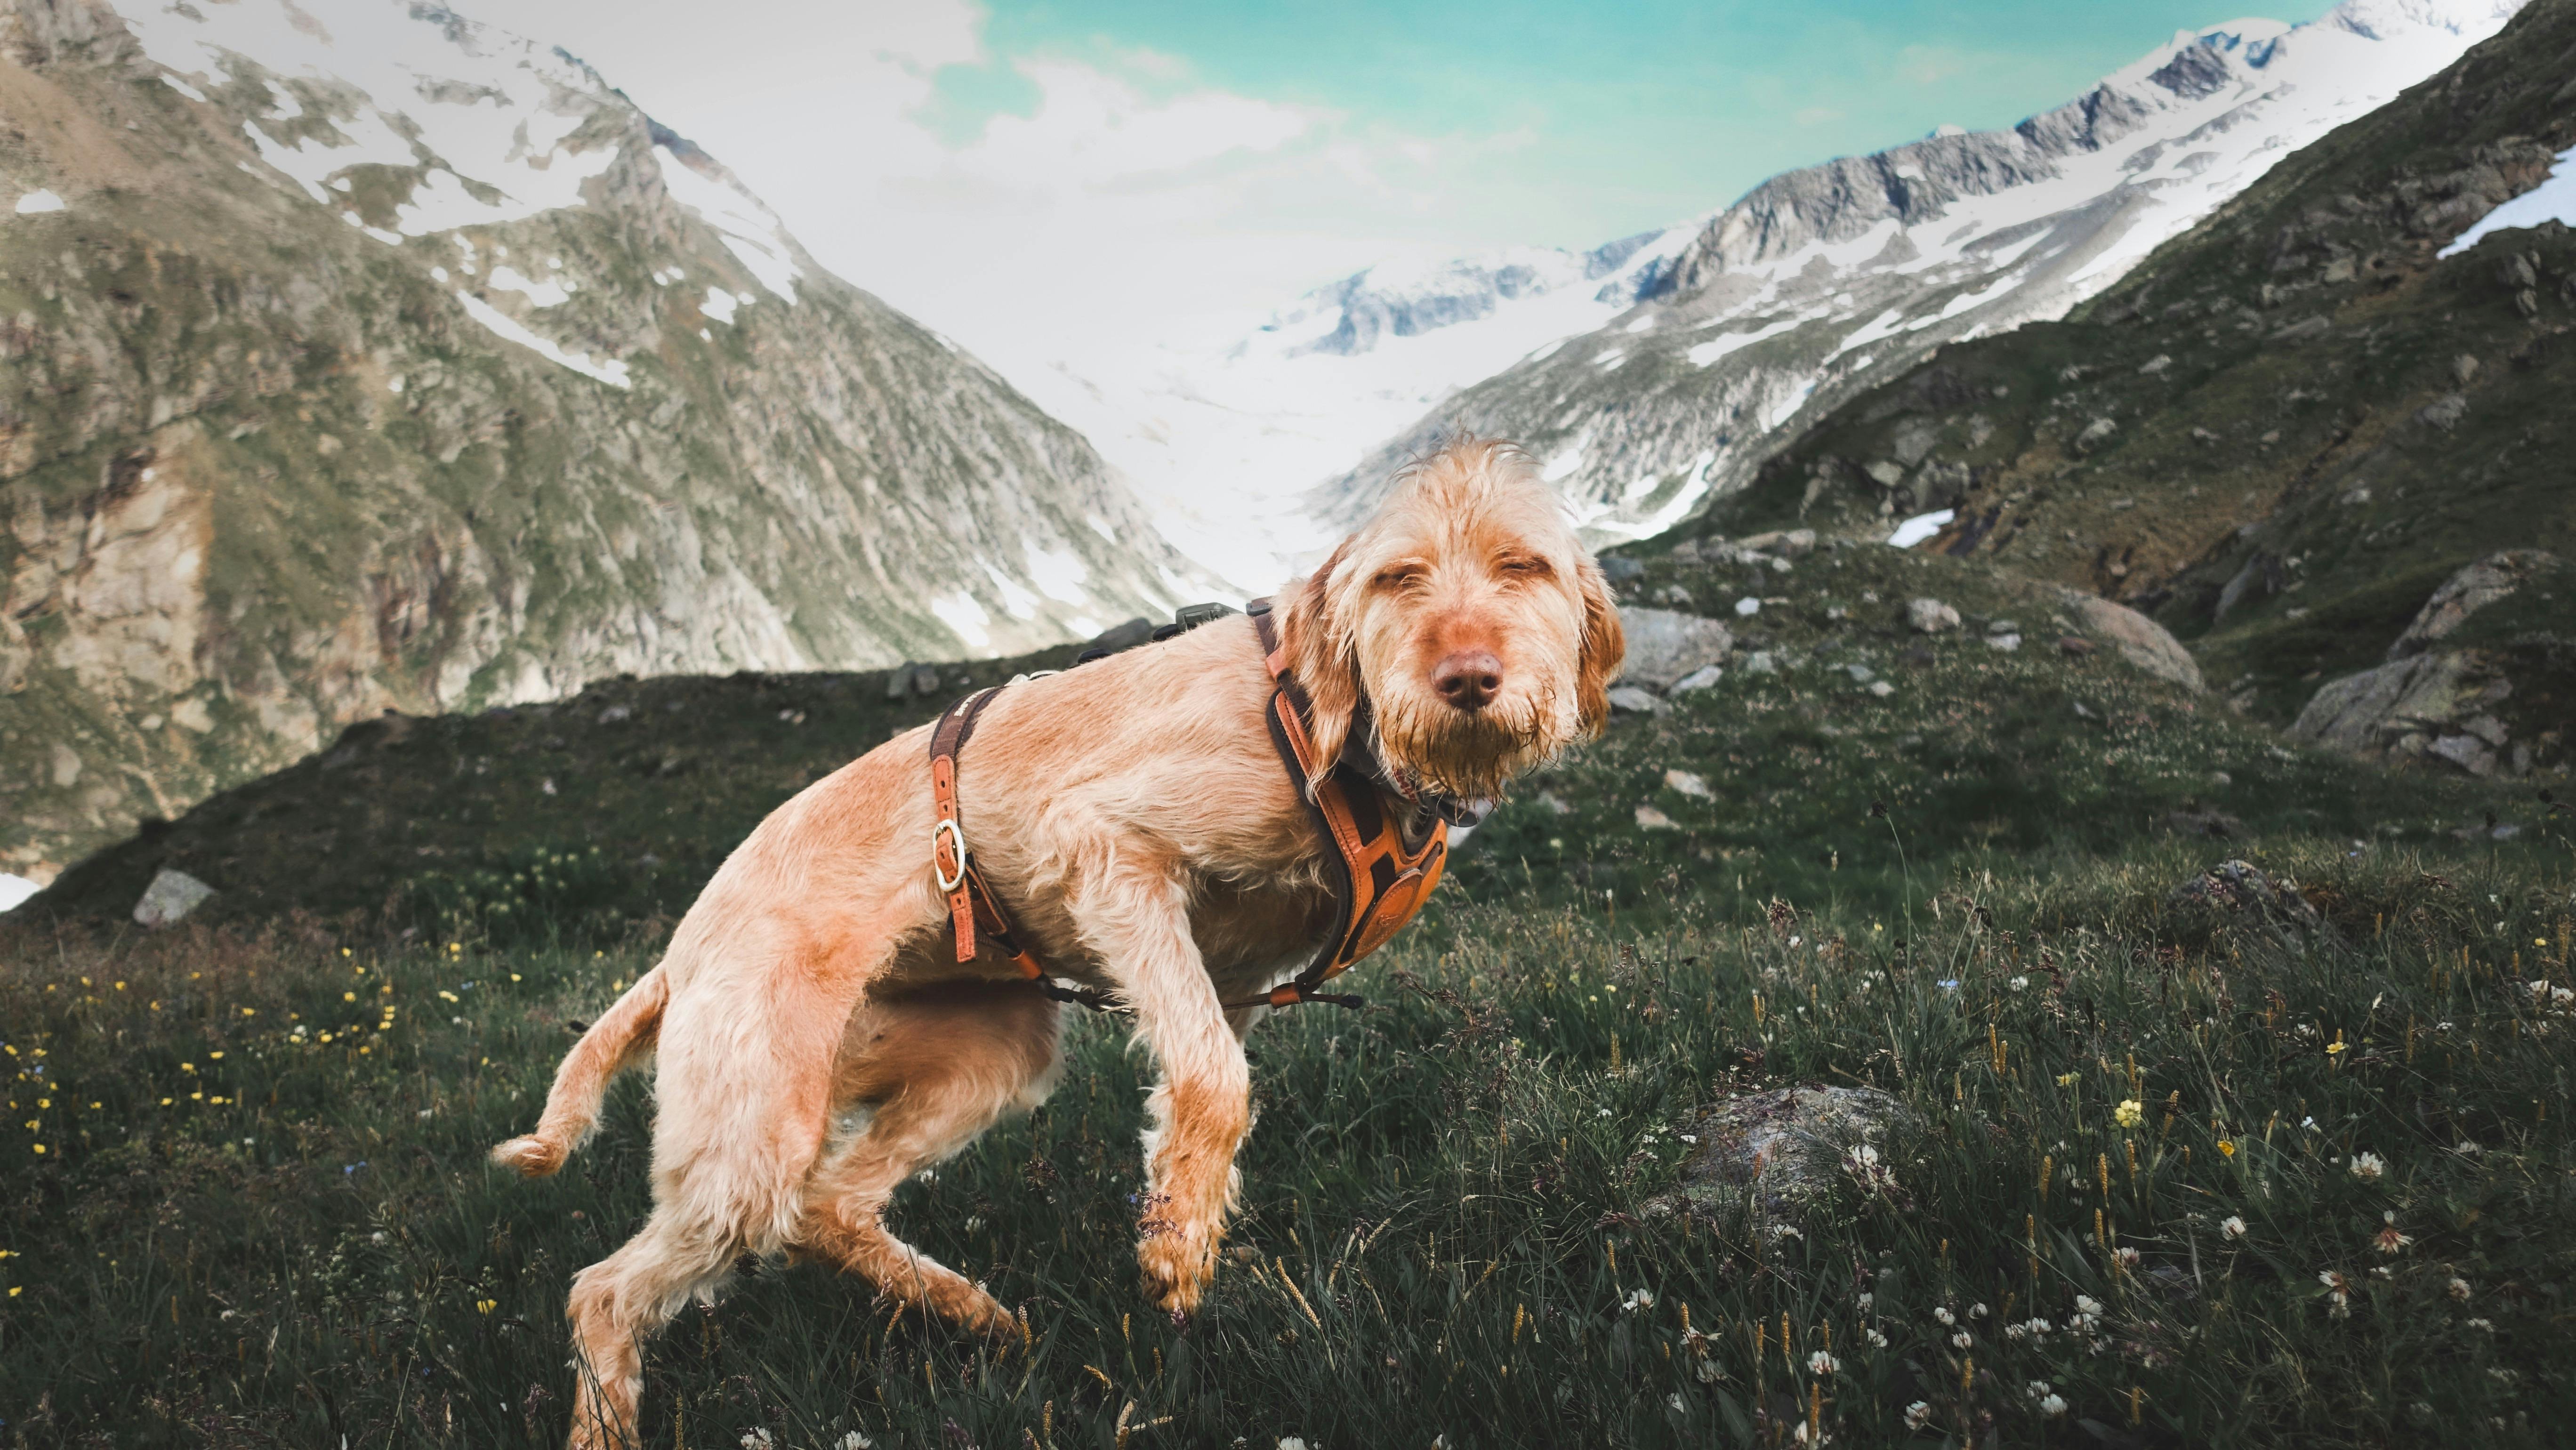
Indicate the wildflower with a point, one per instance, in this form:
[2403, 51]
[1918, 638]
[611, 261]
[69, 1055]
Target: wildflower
[1979, 1312]
[2087, 1304]
[1638, 1299]
[2486, 1326]
[1292, 1442]
[2128, 1258]
[1917, 1415]
[1785, 1231]
[856, 1441]
[2338, 1292]
[2066, 1079]
[2338, 1048]
[1944, 1315]
[2052, 1405]
[2234, 1227]
[486, 1306]
[1675, 1403]
[757, 1440]
[2369, 1167]
[1866, 1299]
[2390, 1240]
[1876, 1339]
[2016, 1332]
[1823, 1363]
[2018, 983]
[2130, 1113]
[2226, 1147]
[1963, 1339]
[2458, 1289]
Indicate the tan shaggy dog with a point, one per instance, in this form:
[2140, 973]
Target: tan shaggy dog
[1137, 821]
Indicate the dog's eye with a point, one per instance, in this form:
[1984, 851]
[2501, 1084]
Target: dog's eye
[1525, 566]
[1398, 576]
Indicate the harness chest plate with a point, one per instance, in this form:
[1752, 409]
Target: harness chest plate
[1381, 875]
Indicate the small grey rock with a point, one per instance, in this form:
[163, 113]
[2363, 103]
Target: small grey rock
[1636, 701]
[1788, 1147]
[1931, 616]
[171, 896]
[1702, 678]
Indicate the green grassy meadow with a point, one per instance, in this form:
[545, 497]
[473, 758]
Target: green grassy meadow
[260, 1214]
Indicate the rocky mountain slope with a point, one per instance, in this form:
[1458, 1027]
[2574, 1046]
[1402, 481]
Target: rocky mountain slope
[1823, 282]
[2323, 437]
[363, 357]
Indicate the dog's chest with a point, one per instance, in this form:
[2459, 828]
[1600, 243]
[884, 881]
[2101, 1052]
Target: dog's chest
[1262, 927]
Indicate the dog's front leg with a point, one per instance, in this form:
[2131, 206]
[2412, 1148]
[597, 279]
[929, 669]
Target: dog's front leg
[1201, 1108]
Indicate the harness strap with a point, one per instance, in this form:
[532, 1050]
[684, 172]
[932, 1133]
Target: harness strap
[972, 907]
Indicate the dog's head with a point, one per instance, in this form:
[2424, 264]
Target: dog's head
[1469, 616]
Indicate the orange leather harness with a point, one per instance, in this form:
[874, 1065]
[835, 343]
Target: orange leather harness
[1381, 877]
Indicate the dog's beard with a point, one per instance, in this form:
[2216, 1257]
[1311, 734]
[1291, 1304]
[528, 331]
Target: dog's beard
[1469, 754]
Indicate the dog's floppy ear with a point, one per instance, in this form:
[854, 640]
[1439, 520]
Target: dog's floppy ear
[1317, 635]
[1605, 647]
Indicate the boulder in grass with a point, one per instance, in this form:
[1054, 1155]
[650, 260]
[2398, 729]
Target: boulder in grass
[1778, 1151]
[1666, 647]
[1931, 616]
[171, 896]
[2140, 640]
[1638, 702]
[2240, 893]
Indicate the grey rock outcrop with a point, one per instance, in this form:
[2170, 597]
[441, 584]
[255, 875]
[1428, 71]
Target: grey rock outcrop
[1666, 647]
[2242, 893]
[2140, 640]
[2437, 704]
[2496, 577]
[1930, 616]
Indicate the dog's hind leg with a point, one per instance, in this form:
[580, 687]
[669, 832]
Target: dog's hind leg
[616, 1304]
[939, 1068]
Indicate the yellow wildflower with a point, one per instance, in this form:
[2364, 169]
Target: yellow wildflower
[2227, 1147]
[2130, 1113]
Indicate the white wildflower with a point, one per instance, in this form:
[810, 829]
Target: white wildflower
[757, 1440]
[856, 1441]
[1823, 1363]
[2018, 983]
[1638, 1299]
[2458, 1289]
[2486, 1325]
[1917, 1415]
[1963, 1339]
[2052, 1405]
[2369, 1167]
[1676, 1403]
[1944, 1315]
[2233, 1227]
[1876, 1339]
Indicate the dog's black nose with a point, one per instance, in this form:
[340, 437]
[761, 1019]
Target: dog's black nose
[1469, 679]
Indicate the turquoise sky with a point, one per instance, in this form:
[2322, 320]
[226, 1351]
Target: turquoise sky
[1628, 115]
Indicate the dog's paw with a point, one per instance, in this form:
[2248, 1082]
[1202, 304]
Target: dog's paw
[1176, 1271]
[532, 1156]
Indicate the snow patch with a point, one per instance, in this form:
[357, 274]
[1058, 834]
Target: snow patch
[36, 202]
[15, 889]
[748, 229]
[612, 372]
[964, 617]
[539, 294]
[1708, 352]
[1059, 574]
[720, 304]
[1920, 527]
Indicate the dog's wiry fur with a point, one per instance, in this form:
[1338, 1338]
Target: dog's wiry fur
[1136, 818]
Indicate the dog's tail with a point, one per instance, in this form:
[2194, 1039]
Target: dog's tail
[622, 1037]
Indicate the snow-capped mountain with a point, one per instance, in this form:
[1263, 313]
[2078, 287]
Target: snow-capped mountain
[1222, 436]
[359, 356]
[1822, 280]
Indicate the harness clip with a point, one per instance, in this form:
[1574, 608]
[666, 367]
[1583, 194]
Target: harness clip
[957, 843]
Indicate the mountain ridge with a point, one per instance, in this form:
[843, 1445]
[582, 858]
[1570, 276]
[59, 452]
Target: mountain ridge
[1821, 278]
[458, 383]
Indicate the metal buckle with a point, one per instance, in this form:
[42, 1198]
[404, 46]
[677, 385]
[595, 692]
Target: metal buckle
[957, 838]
